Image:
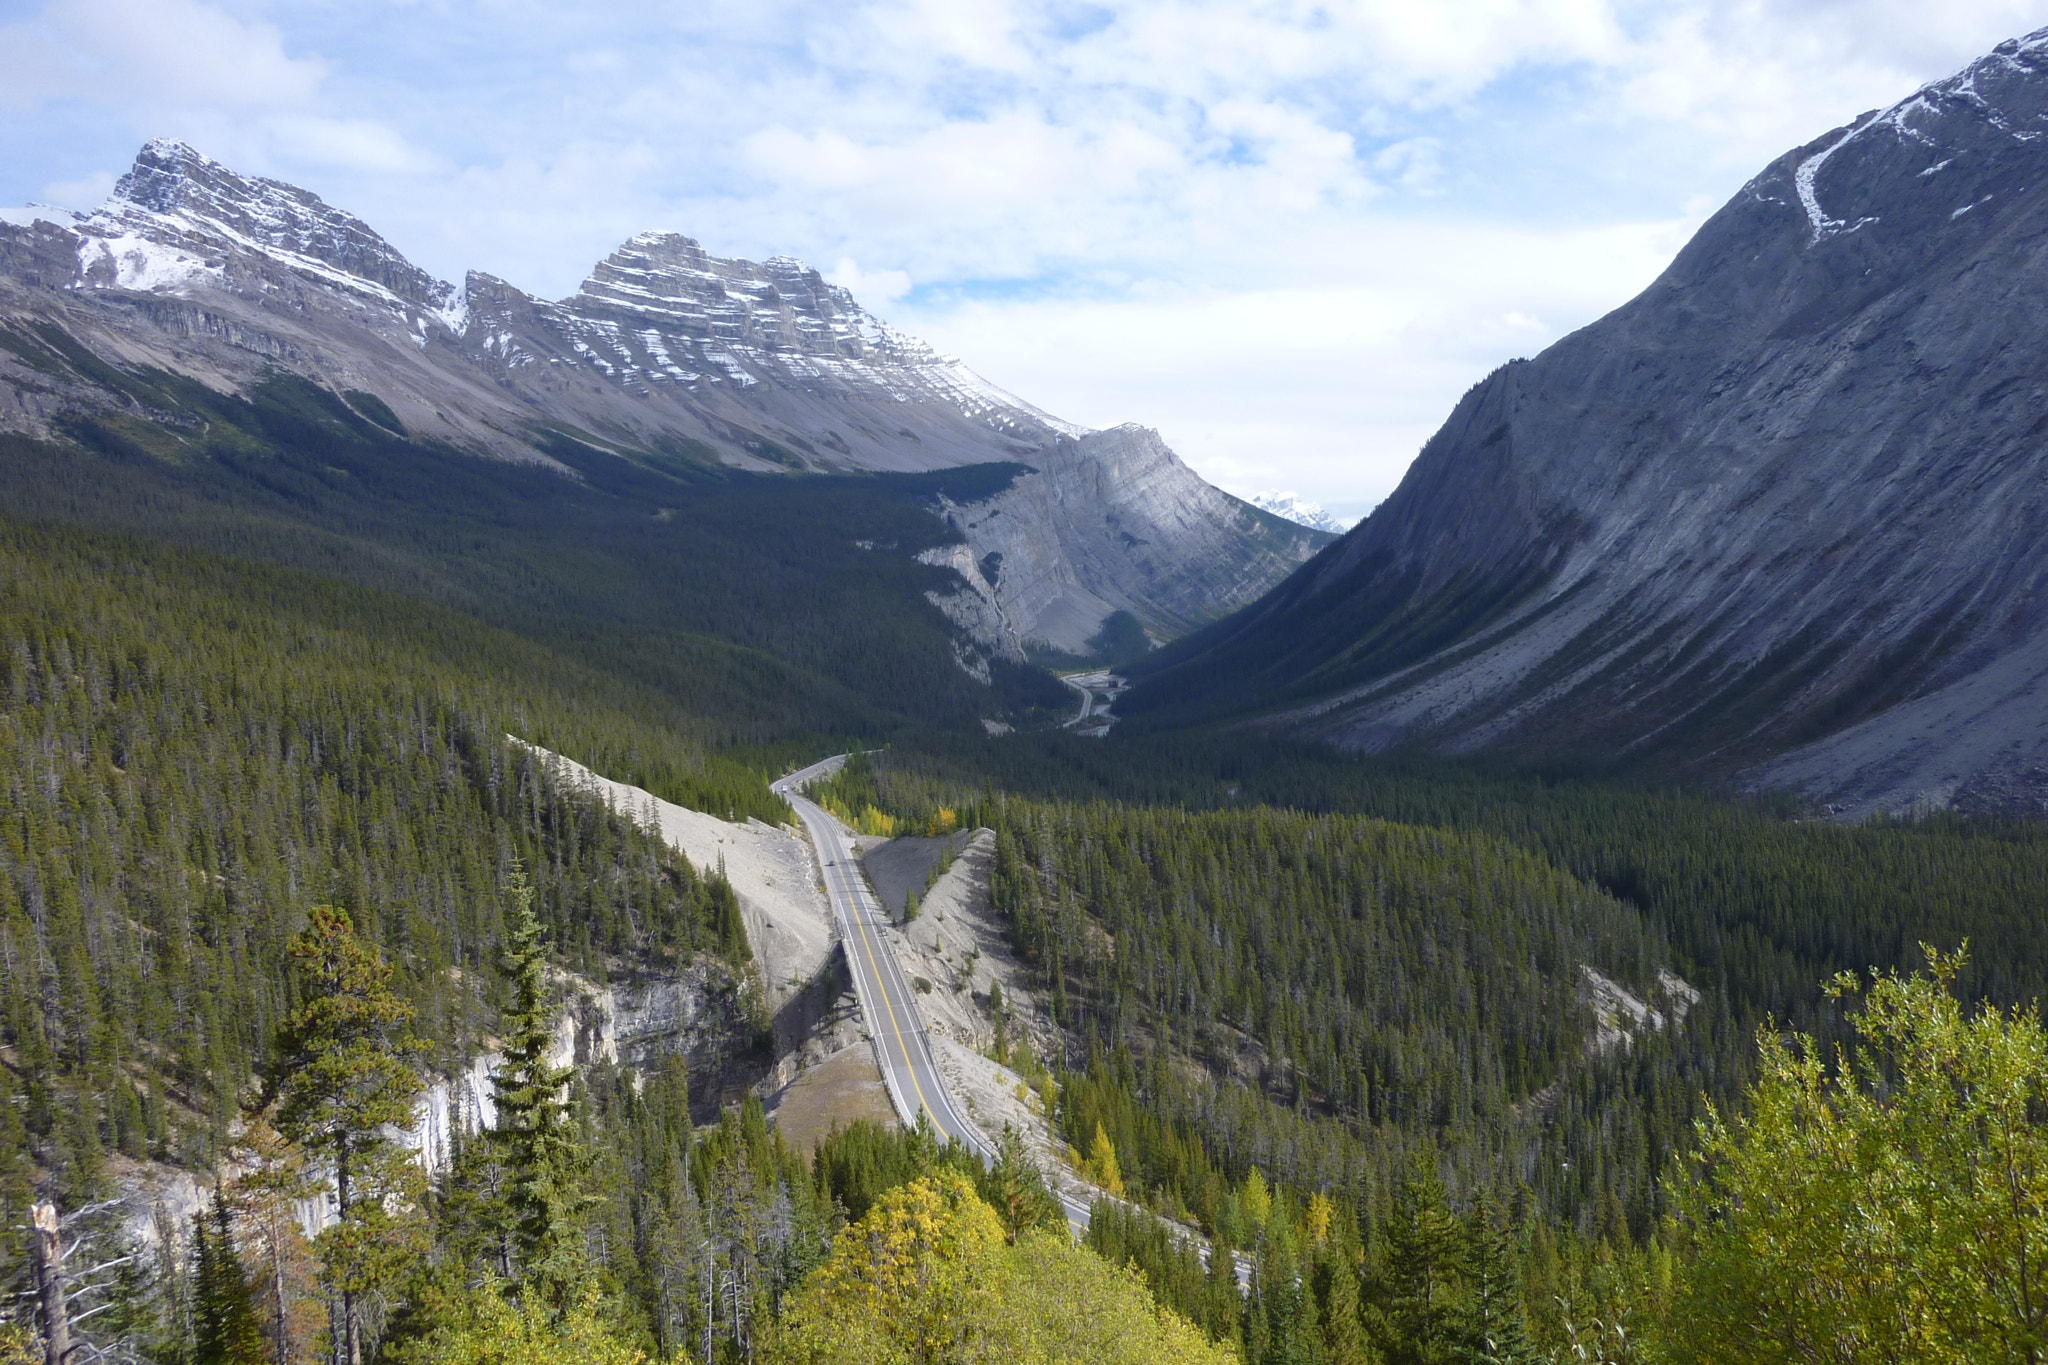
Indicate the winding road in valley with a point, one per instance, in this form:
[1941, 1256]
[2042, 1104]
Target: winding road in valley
[1098, 690]
[902, 1046]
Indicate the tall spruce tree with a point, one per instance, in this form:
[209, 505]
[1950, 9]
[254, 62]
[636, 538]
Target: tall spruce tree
[224, 1330]
[1017, 1191]
[1336, 1283]
[535, 1131]
[1493, 1322]
[1425, 1271]
[345, 1073]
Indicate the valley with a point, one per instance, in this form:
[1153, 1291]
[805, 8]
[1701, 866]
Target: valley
[681, 823]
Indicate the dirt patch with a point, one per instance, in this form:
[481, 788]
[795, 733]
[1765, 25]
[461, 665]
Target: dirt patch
[958, 943]
[900, 867]
[844, 1087]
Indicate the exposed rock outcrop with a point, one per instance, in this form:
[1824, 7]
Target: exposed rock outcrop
[1113, 521]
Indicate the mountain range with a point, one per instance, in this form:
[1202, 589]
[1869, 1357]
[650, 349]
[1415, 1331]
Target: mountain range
[666, 353]
[1302, 512]
[1775, 521]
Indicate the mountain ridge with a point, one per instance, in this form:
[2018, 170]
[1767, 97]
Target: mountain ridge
[665, 352]
[1767, 521]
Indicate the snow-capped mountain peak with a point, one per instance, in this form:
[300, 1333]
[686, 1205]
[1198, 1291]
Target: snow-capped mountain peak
[663, 311]
[179, 220]
[1301, 512]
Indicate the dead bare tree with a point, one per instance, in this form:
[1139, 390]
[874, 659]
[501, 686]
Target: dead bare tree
[70, 1290]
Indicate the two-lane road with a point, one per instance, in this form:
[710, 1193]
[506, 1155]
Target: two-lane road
[902, 1046]
[905, 1053]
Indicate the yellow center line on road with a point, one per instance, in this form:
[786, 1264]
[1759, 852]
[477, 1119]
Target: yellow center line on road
[875, 970]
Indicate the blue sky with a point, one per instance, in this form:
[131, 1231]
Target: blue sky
[1288, 235]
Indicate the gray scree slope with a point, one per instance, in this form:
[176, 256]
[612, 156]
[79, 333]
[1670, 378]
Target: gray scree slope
[199, 270]
[1780, 518]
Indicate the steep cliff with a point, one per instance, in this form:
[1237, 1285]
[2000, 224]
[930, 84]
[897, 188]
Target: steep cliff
[1113, 521]
[1777, 518]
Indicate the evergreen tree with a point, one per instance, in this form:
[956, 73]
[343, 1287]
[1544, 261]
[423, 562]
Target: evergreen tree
[344, 1075]
[1344, 1337]
[1292, 1335]
[1425, 1270]
[1493, 1321]
[1015, 1189]
[535, 1132]
[224, 1330]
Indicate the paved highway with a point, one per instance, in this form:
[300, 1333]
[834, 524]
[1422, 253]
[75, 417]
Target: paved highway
[1098, 690]
[902, 1046]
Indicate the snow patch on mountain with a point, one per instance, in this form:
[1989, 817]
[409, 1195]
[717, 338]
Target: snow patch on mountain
[1301, 512]
[130, 261]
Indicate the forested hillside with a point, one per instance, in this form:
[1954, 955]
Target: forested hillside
[770, 607]
[195, 751]
[1763, 898]
[1330, 997]
[1274, 1014]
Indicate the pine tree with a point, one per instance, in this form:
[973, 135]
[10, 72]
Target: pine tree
[1492, 1325]
[344, 1073]
[1016, 1190]
[1292, 1335]
[1425, 1265]
[535, 1132]
[1344, 1338]
[224, 1330]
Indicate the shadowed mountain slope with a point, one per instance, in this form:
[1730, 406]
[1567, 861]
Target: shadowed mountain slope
[1777, 517]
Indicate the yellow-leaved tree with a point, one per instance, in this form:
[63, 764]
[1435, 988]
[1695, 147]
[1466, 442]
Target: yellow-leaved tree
[1103, 1167]
[926, 1277]
[1064, 1305]
[1892, 1206]
[483, 1329]
[914, 1281]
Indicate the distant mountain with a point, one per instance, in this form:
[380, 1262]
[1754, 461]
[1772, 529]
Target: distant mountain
[1778, 519]
[665, 352]
[1302, 512]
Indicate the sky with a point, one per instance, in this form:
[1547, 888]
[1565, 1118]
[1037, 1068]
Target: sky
[1286, 235]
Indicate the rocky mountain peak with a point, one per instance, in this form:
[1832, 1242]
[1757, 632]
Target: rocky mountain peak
[667, 352]
[178, 198]
[1928, 160]
[169, 176]
[781, 303]
[1301, 511]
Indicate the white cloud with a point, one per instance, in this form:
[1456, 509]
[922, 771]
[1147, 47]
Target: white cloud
[359, 143]
[86, 193]
[178, 53]
[871, 287]
[1333, 388]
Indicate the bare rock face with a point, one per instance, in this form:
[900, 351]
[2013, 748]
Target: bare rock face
[1113, 521]
[1778, 518]
[193, 268]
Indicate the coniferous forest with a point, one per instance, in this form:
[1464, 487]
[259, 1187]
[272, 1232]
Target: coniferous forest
[1363, 1060]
